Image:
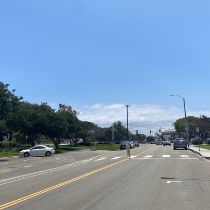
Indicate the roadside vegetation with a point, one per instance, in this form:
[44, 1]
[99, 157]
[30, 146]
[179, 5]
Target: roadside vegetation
[8, 153]
[23, 125]
[204, 146]
[202, 122]
[111, 147]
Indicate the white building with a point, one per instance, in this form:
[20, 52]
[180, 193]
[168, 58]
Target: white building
[169, 134]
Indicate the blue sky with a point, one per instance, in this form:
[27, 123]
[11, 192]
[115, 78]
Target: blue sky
[86, 53]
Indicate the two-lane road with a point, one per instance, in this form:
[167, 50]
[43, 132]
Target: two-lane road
[156, 177]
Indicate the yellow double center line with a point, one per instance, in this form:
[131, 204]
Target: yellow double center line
[70, 181]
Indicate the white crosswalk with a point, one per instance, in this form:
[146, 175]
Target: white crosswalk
[146, 157]
[166, 156]
[133, 156]
[103, 158]
[184, 156]
[115, 158]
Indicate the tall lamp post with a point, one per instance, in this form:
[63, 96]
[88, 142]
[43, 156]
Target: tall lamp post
[127, 120]
[185, 116]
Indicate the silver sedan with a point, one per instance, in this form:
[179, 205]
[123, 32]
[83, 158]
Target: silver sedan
[39, 150]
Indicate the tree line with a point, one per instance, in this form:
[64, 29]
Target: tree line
[202, 122]
[26, 123]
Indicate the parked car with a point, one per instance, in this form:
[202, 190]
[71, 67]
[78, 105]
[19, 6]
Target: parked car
[180, 143]
[136, 143]
[196, 140]
[158, 143]
[166, 143]
[208, 141]
[123, 144]
[38, 150]
[132, 144]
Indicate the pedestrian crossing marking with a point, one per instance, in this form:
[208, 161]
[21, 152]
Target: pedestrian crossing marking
[103, 158]
[148, 156]
[115, 158]
[133, 156]
[184, 156]
[166, 156]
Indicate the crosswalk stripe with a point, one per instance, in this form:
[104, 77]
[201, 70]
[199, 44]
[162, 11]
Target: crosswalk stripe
[148, 156]
[166, 156]
[103, 158]
[184, 156]
[115, 158]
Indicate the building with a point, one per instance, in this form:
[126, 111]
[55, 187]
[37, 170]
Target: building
[168, 135]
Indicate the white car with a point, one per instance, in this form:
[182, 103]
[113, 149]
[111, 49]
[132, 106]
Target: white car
[39, 150]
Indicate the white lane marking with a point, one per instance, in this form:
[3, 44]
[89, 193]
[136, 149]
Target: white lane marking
[185, 156]
[133, 156]
[169, 182]
[103, 158]
[115, 158]
[148, 156]
[28, 166]
[38, 173]
[166, 156]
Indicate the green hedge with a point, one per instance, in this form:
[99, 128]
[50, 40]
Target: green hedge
[12, 145]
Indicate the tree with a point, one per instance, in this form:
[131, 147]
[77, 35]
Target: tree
[87, 131]
[120, 131]
[9, 104]
[203, 123]
[71, 126]
[140, 137]
[150, 138]
[103, 134]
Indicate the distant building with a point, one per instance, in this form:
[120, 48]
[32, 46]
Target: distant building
[169, 134]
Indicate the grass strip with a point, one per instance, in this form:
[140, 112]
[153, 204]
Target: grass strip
[204, 146]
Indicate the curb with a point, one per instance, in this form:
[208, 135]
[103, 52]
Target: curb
[198, 153]
[3, 158]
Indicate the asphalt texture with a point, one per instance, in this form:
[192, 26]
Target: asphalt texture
[156, 177]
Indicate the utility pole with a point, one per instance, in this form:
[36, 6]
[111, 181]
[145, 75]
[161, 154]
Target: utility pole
[127, 121]
[185, 117]
[186, 122]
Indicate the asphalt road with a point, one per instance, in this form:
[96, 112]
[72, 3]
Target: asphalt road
[156, 177]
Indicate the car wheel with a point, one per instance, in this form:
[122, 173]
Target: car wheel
[174, 148]
[26, 154]
[47, 154]
[185, 148]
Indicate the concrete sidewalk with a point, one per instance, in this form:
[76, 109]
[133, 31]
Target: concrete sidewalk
[205, 153]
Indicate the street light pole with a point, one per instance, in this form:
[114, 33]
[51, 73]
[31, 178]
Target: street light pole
[185, 117]
[127, 121]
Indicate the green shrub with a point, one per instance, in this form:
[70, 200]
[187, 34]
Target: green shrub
[9, 144]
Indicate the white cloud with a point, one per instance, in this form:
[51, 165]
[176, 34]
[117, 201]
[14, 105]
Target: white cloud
[141, 117]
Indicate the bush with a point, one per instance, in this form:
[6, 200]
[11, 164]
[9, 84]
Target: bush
[12, 146]
[88, 144]
[8, 144]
